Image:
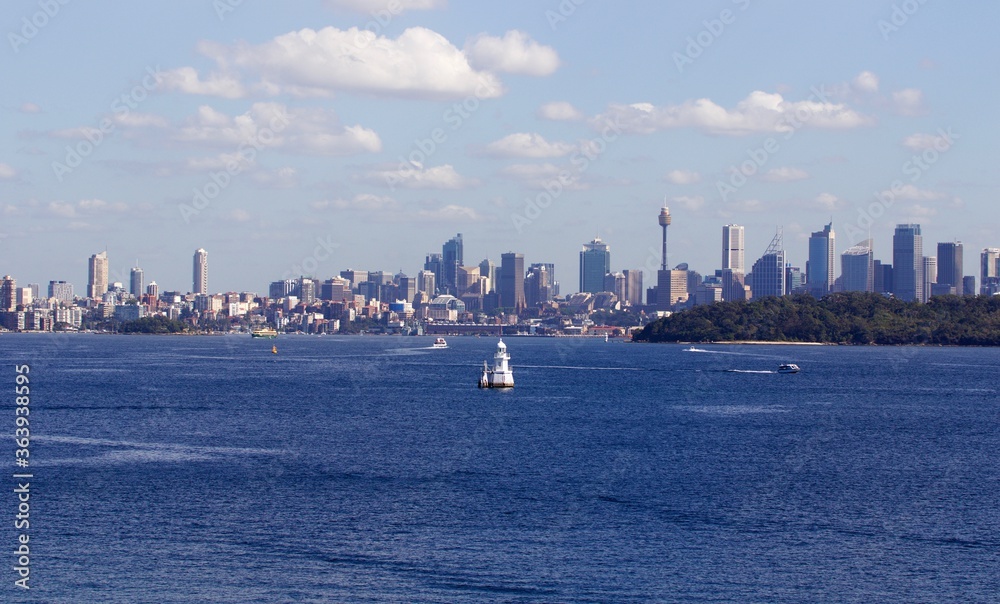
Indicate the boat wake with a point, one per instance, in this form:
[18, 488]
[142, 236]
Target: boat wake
[748, 371]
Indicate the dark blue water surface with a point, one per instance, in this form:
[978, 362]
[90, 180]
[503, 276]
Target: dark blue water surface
[371, 469]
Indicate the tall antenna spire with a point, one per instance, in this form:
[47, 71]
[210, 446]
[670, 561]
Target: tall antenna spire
[664, 223]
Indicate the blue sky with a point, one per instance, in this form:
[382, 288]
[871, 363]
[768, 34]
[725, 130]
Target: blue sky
[380, 128]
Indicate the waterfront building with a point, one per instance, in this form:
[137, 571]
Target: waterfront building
[595, 262]
[200, 276]
[97, 276]
[908, 263]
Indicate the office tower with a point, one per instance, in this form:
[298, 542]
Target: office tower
[467, 278]
[820, 270]
[25, 296]
[307, 290]
[671, 288]
[767, 278]
[950, 259]
[336, 289]
[452, 258]
[135, 282]
[153, 290]
[908, 263]
[97, 275]
[354, 277]
[60, 290]
[857, 269]
[406, 288]
[595, 262]
[511, 288]
[733, 248]
[425, 282]
[8, 293]
[615, 283]
[488, 270]
[930, 276]
[537, 285]
[969, 285]
[200, 285]
[435, 264]
[793, 279]
[989, 270]
[282, 289]
[882, 278]
[633, 286]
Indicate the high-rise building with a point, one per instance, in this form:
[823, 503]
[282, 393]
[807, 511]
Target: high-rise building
[969, 285]
[97, 275]
[793, 279]
[153, 290]
[136, 287]
[467, 279]
[930, 276]
[8, 293]
[354, 276]
[908, 263]
[406, 288]
[488, 270]
[857, 268]
[733, 248]
[200, 281]
[820, 271]
[595, 262]
[60, 290]
[767, 278]
[425, 282]
[537, 285]
[615, 283]
[511, 287]
[671, 288]
[882, 277]
[989, 270]
[950, 259]
[435, 264]
[452, 258]
[633, 286]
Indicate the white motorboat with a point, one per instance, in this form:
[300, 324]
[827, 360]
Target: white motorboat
[440, 343]
[788, 368]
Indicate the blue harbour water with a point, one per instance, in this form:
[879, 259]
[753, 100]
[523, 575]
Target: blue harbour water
[371, 469]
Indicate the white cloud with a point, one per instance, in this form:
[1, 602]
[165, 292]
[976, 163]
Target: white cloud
[84, 207]
[418, 177]
[759, 112]
[914, 193]
[784, 174]
[691, 203]
[420, 63]
[7, 172]
[560, 111]
[365, 202]
[828, 201]
[538, 176]
[923, 141]
[29, 108]
[524, 144]
[909, 102]
[133, 119]
[682, 177]
[394, 7]
[449, 213]
[305, 130]
[866, 81]
[238, 216]
[515, 52]
[187, 80]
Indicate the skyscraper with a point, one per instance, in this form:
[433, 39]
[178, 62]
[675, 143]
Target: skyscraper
[97, 275]
[633, 286]
[488, 270]
[820, 271]
[950, 265]
[8, 293]
[989, 271]
[136, 282]
[595, 262]
[434, 263]
[733, 248]
[153, 290]
[767, 278]
[537, 285]
[511, 288]
[452, 258]
[60, 290]
[857, 268]
[908, 263]
[930, 276]
[200, 285]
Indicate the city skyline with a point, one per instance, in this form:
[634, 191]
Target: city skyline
[505, 123]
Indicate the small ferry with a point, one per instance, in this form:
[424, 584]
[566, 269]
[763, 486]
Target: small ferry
[501, 375]
[788, 368]
[264, 332]
[440, 343]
